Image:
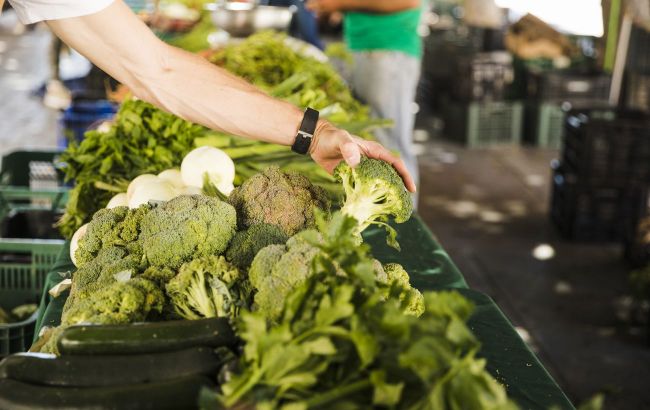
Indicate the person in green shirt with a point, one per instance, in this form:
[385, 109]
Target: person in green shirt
[383, 36]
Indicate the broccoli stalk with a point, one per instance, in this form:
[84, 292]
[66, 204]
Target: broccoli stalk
[205, 288]
[374, 191]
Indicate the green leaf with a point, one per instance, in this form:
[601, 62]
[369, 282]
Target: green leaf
[385, 394]
[320, 346]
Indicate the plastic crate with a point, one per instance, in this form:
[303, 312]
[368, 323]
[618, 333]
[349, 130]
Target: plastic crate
[30, 180]
[483, 77]
[608, 144]
[637, 91]
[23, 267]
[579, 90]
[591, 212]
[637, 242]
[544, 124]
[484, 124]
[81, 115]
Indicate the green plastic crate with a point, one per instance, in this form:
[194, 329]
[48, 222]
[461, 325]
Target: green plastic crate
[485, 124]
[28, 180]
[24, 263]
[545, 125]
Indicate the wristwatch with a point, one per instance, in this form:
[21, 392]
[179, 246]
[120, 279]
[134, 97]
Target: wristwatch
[306, 132]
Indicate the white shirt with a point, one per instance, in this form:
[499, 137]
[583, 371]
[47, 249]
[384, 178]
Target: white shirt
[33, 11]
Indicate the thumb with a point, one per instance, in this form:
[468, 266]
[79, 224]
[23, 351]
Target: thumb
[351, 153]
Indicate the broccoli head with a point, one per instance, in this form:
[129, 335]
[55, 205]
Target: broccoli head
[118, 226]
[125, 301]
[374, 191]
[207, 287]
[410, 298]
[246, 244]
[285, 199]
[100, 271]
[185, 228]
[263, 264]
[276, 271]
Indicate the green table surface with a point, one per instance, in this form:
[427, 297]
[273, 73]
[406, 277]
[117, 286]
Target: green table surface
[509, 360]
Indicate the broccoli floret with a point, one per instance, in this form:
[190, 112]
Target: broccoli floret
[374, 191]
[51, 343]
[159, 274]
[277, 270]
[119, 303]
[101, 271]
[207, 287]
[187, 227]
[118, 226]
[308, 236]
[411, 299]
[263, 264]
[246, 244]
[285, 199]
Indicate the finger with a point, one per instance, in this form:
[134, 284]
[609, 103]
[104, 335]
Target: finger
[351, 153]
[378, 151]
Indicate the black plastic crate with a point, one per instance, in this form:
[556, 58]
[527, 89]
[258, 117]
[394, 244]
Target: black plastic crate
[637, 91]
[578, 89]
[637, 243]
[607, 144]
[483, 77]
[595, 212]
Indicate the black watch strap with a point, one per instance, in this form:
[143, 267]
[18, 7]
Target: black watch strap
[306, 132]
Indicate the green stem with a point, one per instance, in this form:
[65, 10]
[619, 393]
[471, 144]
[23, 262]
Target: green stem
[108, 187]
[328, 397]
[327, 330]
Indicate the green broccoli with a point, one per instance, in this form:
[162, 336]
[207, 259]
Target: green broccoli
[285, 199]
[278, 269]
[263, 264]
[207, 287]
[374, 191]
[291, 270]
[245, 245]
[159, 274]
[118, 226]
[49, 340]
[411, 299]
[122, 302]
[187, 227]
[101, 271]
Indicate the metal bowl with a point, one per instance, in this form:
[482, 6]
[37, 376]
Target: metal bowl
[244, 19]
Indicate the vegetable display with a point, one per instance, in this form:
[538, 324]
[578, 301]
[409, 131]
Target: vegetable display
[228, 255]
[141, 140]
[319, 322]
[342, 340]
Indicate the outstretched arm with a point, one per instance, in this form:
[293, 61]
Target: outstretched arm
[185, 84]
[180, 82]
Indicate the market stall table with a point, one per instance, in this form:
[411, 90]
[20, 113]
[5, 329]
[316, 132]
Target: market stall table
[509, 360]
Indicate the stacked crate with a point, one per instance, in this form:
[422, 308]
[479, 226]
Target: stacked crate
[31, 195]
[478, 113]
[600, 186]
[551, 94]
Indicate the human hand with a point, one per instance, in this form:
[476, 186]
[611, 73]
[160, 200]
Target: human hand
[331, 145]
[324, 6]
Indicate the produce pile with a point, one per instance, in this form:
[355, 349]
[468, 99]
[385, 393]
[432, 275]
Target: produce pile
[144, 139]
[318, 322]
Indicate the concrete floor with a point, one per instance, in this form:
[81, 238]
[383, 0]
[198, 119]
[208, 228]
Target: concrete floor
[489, 209]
